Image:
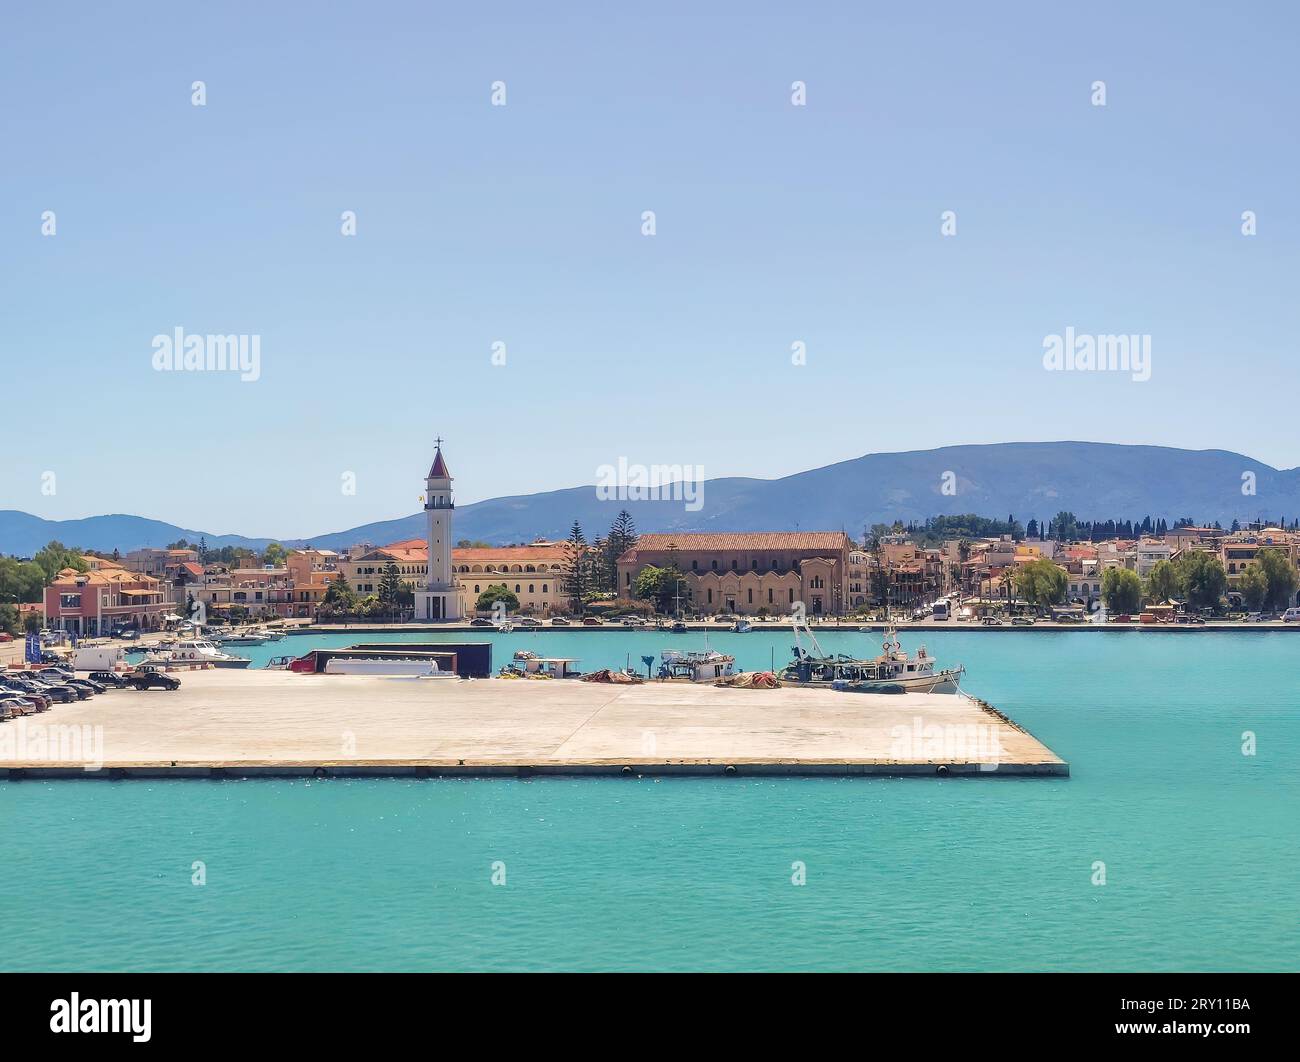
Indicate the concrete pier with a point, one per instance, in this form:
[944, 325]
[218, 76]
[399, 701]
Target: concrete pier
[227, 723]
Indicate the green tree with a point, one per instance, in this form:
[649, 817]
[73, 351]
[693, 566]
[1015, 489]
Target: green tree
[390, 585]
[602, 571]
[1279, 577]
[494, 593]
[1253, 585]
[55, 556]
[20, 581]
[275, 555]
[576, 571]
[1121, 590]
[1162, 583]
[621, 538]
[1065, 526]
[658, 586]
[9, 621]
[339, 596]
[1041, 583]
[1201, 579]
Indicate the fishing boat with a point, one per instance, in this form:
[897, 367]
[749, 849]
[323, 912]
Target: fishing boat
[893, 671]
[527, 664]
[741, 626]
[695, 665]
[679, 627]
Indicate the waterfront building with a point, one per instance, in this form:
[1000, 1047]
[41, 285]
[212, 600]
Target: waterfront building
[411, 557]
[533, 573]
[438, 598]
[1148, 553]
[1238, 550]
[103, 597]
[748, 571]
[160, 563]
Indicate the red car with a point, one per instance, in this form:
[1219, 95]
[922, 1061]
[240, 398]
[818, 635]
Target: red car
[5, 636]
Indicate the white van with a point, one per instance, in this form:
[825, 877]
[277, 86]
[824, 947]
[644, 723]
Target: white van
[1291, 615]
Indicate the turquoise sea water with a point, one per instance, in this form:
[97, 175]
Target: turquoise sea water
[1199, 842]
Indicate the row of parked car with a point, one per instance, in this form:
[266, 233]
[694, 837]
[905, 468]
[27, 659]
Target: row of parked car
[28, 692]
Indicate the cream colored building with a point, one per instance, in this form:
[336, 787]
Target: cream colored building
[748, 571]
[534, 574]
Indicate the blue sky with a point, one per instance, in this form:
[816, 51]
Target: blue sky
[522, 224]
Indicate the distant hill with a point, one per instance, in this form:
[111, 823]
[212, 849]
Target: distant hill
[1096, 481]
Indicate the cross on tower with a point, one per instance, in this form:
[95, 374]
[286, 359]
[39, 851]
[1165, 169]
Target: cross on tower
[438, 442]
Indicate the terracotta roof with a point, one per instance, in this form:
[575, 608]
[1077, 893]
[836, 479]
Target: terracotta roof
[746, 541]
[402, 554]
[101, 576]
[407, 543]
[469, 555]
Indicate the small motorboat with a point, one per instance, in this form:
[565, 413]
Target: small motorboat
[741, 627]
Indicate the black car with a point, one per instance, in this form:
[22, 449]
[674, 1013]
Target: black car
[108, 678]
[23, 686]
[145, 680]
[86, 684]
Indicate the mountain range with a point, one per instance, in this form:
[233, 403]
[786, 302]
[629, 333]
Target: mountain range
[1095, 481]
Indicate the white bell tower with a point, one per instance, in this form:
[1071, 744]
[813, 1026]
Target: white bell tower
[439, 599]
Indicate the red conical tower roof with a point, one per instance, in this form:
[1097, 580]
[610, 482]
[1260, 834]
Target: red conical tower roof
[439, 469]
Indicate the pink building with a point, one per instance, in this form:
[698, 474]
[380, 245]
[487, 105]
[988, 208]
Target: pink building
[106, 596]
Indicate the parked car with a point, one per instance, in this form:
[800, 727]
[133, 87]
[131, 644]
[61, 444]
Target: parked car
[148, 679]
[481, 622]
[1291, 615]
[1022, 621]
[18, 688]
[108, 678]
[5, 636]
[24, 686]
[559, 621]
[131, 635]
[528, 621]
[12, 705]
[593, 621]
[633, 621]
[87, 684]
